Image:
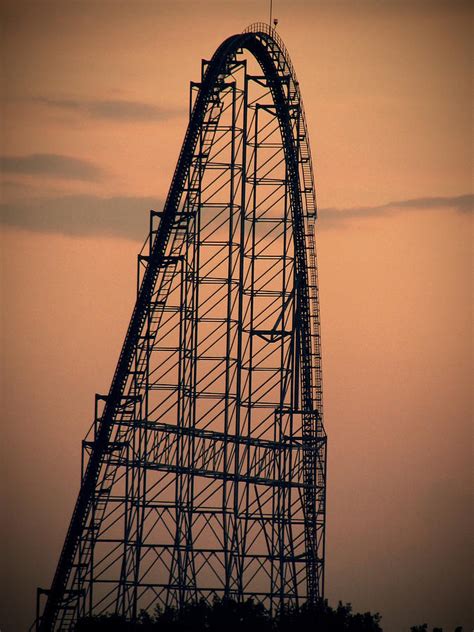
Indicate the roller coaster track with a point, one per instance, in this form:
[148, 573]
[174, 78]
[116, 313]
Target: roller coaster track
[132, 438]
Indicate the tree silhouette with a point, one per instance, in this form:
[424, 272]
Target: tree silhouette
[227, 615]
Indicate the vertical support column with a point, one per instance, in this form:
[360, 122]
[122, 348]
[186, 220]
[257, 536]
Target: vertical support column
[226, 524]
[237, 560]
[284, 492]
[247, 429]
[134, 408]
[180, 583]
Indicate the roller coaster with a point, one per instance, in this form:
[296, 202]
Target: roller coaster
[204, 470]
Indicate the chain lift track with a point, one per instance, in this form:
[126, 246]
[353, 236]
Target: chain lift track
[204, 472]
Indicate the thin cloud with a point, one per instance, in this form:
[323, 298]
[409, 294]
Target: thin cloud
[82, 215]
[128, 217]
[118, 110]
[55, 165]
[334, 216]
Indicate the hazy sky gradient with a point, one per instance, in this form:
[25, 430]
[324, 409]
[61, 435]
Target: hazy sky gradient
[94, 110]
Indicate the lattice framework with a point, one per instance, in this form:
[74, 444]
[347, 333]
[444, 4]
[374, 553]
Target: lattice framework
[204, 472]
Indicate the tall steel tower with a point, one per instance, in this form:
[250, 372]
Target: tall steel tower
[204, 472]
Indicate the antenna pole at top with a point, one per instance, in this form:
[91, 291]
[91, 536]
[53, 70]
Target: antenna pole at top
[271, 12]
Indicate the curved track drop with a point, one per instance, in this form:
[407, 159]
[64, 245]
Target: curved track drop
[205, 469]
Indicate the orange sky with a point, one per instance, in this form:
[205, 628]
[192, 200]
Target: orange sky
[93, 114]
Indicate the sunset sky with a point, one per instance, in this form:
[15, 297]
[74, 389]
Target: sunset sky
[93, 113]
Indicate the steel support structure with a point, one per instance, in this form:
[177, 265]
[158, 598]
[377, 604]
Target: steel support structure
[204, 472]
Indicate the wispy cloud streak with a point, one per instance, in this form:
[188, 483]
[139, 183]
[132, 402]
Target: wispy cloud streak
[81, 215]
[114, 109]
[128, 217]
[54, 165]
[334, 216]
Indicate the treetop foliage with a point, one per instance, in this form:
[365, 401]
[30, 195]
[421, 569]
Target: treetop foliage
[227, 615]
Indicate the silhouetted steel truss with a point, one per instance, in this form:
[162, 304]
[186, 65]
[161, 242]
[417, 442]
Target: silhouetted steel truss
[204, 472]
